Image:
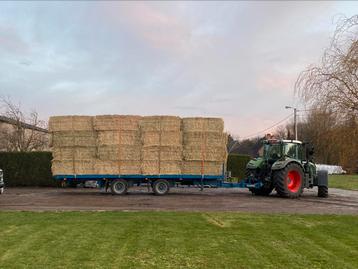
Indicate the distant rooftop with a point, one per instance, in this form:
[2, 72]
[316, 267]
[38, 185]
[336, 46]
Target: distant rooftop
[23, 124]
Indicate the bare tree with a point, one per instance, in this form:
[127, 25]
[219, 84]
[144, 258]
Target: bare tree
[334, 83]
[24, 132]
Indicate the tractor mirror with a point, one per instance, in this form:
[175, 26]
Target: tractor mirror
[311, 151]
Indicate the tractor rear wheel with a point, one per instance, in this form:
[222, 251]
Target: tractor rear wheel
[289, 181]
[323, 191]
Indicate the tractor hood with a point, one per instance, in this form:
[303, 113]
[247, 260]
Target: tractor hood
[255, 163]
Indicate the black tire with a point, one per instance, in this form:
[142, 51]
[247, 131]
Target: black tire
[119, 187]
[323, 191]
[161, 187]
[289, 181]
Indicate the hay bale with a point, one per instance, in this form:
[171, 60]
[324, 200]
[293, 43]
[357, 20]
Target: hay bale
[197, 153]
[211, 139]
[73, 138]
[74, 153]
[123, 152]
[83, 167]
[163, 138]
[161, 153]
[199, 167]
[116, 122]
[69, 123]
[199, 124]
[160, 123]
[116, 168]
[151, 167]
[118, 138]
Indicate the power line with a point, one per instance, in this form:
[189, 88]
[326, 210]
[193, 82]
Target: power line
[277, 123]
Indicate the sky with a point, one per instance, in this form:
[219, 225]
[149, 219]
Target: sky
[234, 60]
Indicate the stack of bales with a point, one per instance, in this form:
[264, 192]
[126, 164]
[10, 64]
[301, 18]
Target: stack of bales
[74, 145]
[204, 146]
[118, 144]
[161, 145]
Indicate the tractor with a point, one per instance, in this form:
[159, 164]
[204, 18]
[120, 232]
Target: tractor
[286, 166]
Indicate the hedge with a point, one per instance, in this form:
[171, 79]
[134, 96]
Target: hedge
[27, 168]
[236, 163]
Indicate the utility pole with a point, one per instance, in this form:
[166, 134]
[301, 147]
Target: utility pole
[294, 119]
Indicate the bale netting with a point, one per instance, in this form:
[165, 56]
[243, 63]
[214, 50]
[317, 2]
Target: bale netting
[116, 122]
[199, 124]
[70, 123]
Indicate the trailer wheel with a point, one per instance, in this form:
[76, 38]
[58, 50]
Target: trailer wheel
[323, 191]
[119, 187]
[289, 181]
[161, 187]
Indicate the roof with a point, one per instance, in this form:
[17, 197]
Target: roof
[23, 124]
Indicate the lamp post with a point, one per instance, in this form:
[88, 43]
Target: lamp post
[294, 118]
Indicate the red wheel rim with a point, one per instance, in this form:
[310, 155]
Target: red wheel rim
[293, 181]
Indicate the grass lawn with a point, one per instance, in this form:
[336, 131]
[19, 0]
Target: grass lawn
[176, 240]
[348, 182]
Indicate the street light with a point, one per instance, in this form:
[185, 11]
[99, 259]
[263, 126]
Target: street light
[294, 118]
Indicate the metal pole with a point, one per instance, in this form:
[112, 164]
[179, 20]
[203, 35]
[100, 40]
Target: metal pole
[295, 121]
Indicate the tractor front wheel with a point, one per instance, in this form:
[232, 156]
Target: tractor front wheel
[289, 181]
[323, 191]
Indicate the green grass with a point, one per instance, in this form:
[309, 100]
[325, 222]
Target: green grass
[176, 240]
[347, 182]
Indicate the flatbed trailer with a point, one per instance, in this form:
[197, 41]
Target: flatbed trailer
[160, 184]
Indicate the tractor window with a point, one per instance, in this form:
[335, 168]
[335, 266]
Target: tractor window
[272, 151]
[293, 151]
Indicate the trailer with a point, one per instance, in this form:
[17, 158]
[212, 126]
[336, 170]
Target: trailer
[160, 184]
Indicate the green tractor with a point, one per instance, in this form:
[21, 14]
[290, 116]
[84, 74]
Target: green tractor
[286, 166]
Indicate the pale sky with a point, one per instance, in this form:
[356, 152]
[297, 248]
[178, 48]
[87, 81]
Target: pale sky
[235, 60]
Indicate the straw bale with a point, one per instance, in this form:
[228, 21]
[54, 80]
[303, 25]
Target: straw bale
[116, 168]
[160, 123]
[196, 168]
[118, 138]
[116, 122]
[197, 153]
[162, 153]
[123, 152]
[73, 138]
[199, 124]
[74, 153]
[73, 167]
[165, 138]
[212, 139]
[161, 167]
[69, 123]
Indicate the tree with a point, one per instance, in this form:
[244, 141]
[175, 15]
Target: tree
[333, 84]
[26, 132]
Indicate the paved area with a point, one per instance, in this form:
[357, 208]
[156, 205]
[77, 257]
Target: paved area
[179, 199]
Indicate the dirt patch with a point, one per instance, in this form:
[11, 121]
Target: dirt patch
[179, 199]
